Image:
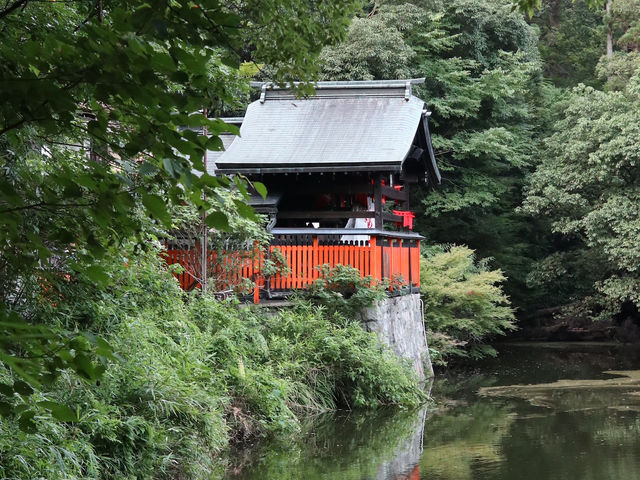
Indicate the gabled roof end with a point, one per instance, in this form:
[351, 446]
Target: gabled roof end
[341, 89]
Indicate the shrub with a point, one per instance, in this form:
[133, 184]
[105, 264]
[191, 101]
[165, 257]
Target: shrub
[343, 289]
[193, 374]
[464, 303]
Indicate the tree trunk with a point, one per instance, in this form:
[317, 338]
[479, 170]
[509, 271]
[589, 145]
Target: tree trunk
[609, 30]
[205, 230]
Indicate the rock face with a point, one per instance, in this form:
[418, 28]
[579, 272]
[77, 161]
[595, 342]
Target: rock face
[398, 322]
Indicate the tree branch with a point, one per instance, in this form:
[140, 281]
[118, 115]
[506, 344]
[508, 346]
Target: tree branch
[12, 126]
[14, 6]
[93, 11]
[45, 205]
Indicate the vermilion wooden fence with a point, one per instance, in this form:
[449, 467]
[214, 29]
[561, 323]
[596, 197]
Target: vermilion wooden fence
[381, 257]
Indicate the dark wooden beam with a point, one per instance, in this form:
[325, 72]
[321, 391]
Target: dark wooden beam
[343, 188]
[390, 217]
[394, 194]
[405, 204]
[326, 214]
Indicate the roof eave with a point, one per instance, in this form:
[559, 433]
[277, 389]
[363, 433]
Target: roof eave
[347, 168]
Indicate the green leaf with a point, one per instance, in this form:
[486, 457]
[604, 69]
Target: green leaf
[157, 207]
[163, 62]
[23, 388]
[242, 187]
[245, 210]
[168, 166]
[65, 355]
[26, 422]
[6, 389]
[96, 274]
[84, 366]
[218, 220]
[261, 189]
[147, 169]
[105, 349]
[59, 411]
[5, 409]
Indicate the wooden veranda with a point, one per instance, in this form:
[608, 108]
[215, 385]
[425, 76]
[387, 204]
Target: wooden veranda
[391, 256]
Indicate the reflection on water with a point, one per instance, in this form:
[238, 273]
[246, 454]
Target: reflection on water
[538, 411]
[386, 445]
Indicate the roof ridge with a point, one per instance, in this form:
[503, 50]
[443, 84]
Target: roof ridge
[397, 83]
[340, 89]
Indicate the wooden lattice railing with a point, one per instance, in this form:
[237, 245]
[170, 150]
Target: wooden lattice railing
[391, 256]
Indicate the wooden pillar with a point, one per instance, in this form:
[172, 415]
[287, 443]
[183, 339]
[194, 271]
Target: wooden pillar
[410, 266]
[405, 204]
[257, 272]
[205, 230]
[377, 201]
[374, 259]
[314, 272]
[416, 255]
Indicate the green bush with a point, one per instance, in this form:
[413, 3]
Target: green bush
[342, 289]
[193, 374]
[463, 301]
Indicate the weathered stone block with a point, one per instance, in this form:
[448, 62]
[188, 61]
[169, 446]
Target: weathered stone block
[398, 323]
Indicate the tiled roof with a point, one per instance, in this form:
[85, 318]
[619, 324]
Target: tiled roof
[344, 126]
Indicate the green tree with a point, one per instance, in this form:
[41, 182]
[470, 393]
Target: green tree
[91, 98]
[464, 303]
[484, 88]
[618, 66]
[571, 42]
[587, 184]
[530, 6]
[375, 46]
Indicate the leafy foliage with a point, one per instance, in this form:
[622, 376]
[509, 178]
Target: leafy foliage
[571, 42]
[193, 374]
[586, 184]
[92, 95]
[464, 303]
[529, 6]
[374, 48]
[484, 92]
[343, 290]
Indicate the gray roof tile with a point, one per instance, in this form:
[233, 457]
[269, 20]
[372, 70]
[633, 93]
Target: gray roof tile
[365, 126]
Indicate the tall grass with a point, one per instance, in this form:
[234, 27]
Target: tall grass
[194, 375]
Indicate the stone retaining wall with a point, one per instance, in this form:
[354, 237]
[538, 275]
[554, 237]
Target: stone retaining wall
[399, 324]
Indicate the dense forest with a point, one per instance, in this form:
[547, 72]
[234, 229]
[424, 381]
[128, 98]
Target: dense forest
[534, 130]
[109, 370]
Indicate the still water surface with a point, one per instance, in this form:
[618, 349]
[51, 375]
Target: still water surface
[538, 411]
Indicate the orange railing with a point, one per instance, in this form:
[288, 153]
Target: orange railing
[389, 255]
[225, 271]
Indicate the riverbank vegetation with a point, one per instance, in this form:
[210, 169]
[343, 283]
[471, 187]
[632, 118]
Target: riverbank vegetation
[191, 374]
[463, 304]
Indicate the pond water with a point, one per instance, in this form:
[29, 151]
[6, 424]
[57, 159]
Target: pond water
[538, 411]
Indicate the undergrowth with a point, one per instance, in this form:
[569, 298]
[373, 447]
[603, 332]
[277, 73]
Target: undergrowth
[464, 303]
[193, 375]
